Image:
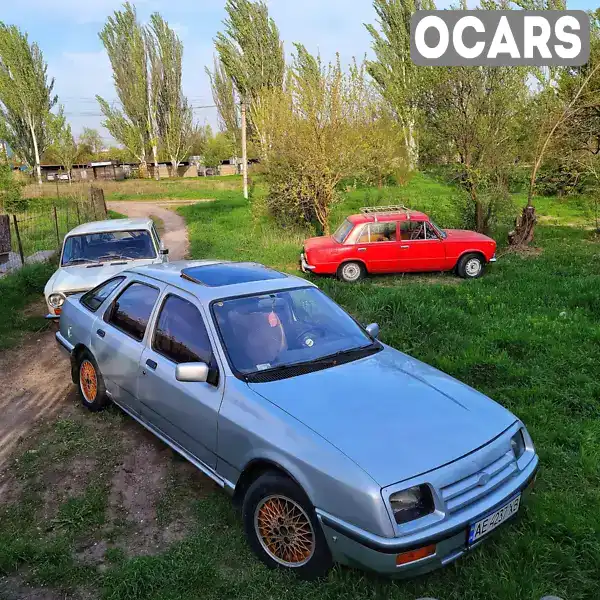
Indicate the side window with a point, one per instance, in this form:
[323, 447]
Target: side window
[132, 309]
[94, 298]
[180, 333]
[412, 230]
[378, 232]
[430, 232]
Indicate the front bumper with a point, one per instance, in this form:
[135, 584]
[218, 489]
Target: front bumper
[493, 259]
[357, 548]
[304, 266]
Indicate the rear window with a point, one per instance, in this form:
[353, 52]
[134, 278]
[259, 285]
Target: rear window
[343, 231]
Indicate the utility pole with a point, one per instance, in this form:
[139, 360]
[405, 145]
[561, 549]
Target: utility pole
[244, 151]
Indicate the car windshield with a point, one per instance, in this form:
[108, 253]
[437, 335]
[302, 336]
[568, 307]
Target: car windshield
[282, 329]
[342, 232]
[442, 233]
[108, 245]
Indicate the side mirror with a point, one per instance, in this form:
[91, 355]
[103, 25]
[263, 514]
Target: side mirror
[373, 330]
[192, 372]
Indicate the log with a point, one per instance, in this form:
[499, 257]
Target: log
[5, 246]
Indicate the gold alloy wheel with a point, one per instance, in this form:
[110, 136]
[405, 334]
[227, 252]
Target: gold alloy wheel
[285, 531]
[88, 380]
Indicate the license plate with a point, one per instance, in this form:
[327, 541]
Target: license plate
[487, 525]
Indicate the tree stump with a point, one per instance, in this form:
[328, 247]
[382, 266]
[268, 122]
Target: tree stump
[522, 235]
[5, 246]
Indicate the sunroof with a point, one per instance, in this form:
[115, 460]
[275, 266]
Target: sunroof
[229, 274]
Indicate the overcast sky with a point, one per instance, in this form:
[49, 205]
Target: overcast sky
[67, 32]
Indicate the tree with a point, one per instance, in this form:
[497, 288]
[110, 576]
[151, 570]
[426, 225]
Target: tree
[125, 44]
[476, 112]
[217, 149]
[252, 56]
[90, 143]
[317, 137]
[63, 146]
[10, 190]
[225, 97]
[26, 95]
[399, 80]
[174, 114]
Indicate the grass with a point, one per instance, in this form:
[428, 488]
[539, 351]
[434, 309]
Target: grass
[527, 334]
[17, 291]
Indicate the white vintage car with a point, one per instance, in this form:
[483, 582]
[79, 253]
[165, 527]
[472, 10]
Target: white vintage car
[94, 252]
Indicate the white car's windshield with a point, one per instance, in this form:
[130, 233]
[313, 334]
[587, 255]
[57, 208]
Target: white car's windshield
[286, 328]
[109, 245]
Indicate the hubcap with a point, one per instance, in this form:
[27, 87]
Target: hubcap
[88, 380]
[473, 267]
[351, 272]
[285, 531]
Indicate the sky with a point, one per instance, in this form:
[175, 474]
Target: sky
[67, 33]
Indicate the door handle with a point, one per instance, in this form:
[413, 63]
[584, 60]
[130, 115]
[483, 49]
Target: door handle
[151, 364]
[101, 333]
[362, 249]
[405, 247]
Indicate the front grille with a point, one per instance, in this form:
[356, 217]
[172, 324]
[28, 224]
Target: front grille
[474, 487]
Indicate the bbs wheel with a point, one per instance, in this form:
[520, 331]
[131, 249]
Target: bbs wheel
[471, 266]
[351, 272]
[282, 528]
[90, 383]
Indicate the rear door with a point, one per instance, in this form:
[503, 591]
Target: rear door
[185, 412]
[118, 339]
[420, 247]
[378, 247]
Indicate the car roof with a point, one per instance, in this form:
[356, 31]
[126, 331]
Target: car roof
[247, 279]
[401, 215]
[111, 225]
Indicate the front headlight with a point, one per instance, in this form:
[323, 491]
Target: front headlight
[518, 444]
[56, 300]
[412, 504]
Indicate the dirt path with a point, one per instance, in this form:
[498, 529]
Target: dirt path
[175, 237]
[35, 377]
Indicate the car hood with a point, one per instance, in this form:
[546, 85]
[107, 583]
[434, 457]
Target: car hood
[459, 235]
[394, 416]
[80, 278]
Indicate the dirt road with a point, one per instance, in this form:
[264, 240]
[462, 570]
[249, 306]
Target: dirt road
[34, 377]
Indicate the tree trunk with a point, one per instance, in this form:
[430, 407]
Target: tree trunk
[155, 155]
[37, 154]
[524, 228]
[413, 148]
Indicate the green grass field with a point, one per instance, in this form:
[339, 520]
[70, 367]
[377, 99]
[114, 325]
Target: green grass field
[527, 334]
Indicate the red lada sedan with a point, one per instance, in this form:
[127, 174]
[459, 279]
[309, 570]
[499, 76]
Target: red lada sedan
[394, 239]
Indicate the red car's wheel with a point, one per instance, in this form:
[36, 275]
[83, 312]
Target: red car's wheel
[351, 272]
[471, 266]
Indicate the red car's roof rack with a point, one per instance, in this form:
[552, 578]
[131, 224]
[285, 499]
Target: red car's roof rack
[384, 210]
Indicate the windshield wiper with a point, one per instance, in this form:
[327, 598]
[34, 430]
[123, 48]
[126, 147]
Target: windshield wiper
[322, 362]
[78, 260]
[116, 257]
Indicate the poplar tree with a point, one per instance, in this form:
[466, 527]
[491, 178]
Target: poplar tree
[26, 96]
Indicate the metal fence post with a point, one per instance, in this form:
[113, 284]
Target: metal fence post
[22, 255]
[56, 226]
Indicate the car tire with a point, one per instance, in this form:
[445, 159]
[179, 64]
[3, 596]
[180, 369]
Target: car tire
[471, 266]
[351, 272]
[90, 383]
[275, 505]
